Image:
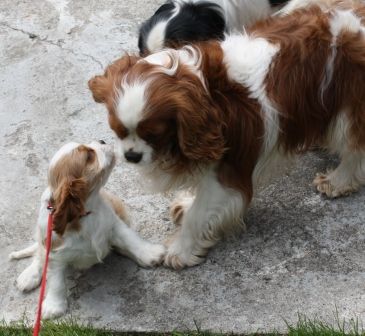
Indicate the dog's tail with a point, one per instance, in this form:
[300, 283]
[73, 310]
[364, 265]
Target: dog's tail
[25, 253]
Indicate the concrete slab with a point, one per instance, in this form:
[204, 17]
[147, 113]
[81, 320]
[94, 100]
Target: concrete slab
[300, 253]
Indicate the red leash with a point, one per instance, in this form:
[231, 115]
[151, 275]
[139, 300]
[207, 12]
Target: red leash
[37, 324]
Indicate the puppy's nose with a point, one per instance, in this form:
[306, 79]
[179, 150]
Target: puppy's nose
[133, 156]
[102, 142]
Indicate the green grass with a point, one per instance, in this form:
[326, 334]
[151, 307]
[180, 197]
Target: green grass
[313, 327]
[304, 327]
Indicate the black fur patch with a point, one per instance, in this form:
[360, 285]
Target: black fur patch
[162, 14]
[274, 3]
[195, 22]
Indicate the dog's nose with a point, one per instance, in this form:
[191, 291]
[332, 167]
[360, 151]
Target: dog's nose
[102, 142]
[133, 156]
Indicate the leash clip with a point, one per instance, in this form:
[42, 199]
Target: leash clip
[50, 208]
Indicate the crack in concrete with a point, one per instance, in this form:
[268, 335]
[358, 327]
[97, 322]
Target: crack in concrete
[58, 44]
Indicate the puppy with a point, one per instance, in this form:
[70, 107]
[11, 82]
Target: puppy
[200, 20]
[218, 116]
[87, 223]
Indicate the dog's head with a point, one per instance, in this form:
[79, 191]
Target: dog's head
[160, 110]
[76, 172]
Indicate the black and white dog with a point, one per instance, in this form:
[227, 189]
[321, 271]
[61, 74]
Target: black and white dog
[200, 20]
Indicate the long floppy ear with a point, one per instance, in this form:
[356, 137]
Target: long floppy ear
[200, 133]
[100, 87]
[69, 204]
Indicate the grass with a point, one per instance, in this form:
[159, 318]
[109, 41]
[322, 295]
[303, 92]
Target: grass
[304, 327]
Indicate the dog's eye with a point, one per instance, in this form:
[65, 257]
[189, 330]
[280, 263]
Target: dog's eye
[90, 155]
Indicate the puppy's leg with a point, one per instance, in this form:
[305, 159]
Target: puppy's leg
[55, 302]
[179, 206]
[31, 277]
[25, 253]
[117, 204]
[345, 179]
[129, 243]
[215, 210]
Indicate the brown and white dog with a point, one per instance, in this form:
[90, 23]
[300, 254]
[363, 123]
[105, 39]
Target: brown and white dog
[215, 116]
[87, 223]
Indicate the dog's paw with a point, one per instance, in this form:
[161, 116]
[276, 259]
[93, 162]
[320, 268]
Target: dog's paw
[179, 206]
[29, 279]
[53, 307]
[180, 255]
[324, 184]
[180, 261]
[152, 255]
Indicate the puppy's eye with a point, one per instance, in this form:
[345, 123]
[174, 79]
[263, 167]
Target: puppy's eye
[90, 155]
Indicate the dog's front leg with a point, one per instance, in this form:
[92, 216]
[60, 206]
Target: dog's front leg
[55, 303]
[215, 211]
[127, 242]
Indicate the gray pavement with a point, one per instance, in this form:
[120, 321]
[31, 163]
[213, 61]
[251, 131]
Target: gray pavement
[300, 253]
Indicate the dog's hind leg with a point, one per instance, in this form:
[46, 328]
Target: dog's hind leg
[347, 178]
[349, 141]
[25, 253]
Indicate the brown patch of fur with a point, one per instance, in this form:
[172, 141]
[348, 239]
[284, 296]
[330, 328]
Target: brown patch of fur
[117, 205]
[296, 75]
[184, 126]
[69, 203]
[295, 78]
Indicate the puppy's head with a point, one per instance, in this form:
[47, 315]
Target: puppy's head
[160, 110]
[76, 172]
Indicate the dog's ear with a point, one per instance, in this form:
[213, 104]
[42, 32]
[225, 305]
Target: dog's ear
[100, 87]
[69, 203]
[200, 134]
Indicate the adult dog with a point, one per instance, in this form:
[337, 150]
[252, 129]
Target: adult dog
[215, 116]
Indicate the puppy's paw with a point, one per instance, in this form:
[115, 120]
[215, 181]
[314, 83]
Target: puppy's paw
[53, 307]
[29, 279]
[325, 185]
[179, 206]
[151, 255]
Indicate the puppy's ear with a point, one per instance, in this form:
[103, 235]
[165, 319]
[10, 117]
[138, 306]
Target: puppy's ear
[200, 134]
[100, 88]
[69, 204]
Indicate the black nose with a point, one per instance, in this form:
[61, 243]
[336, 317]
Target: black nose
[102, 142]
[133, 156]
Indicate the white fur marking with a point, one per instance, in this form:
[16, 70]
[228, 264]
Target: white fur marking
[156, 37]
[342, 20]
[64, 150]
[130, 104]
